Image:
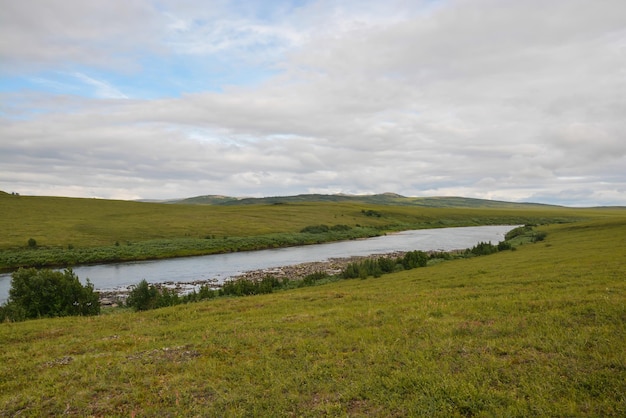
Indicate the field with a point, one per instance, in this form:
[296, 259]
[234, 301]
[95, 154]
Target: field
[539, 331]
[69, 231]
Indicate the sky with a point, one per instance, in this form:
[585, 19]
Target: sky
[522, 101]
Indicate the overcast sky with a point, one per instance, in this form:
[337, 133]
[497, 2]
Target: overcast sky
[519, 100]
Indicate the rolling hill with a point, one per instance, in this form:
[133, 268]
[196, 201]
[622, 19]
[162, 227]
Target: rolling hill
[377, 199]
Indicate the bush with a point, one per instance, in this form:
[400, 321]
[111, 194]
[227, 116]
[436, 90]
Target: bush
[504, 245]
[443, 255]
[315, 229]
[516, 232]
[387, 264]
[484, 248]
[206, 292]
[351, 271]
[310, 279]
[379, 266]
[167, 297]
[47, 293]
[245, 287]
[143, 297]
[414, 259]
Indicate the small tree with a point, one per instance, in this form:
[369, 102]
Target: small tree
[484, 248]
[32, 243]
[143, 297]
[414, 259]
[47, 293]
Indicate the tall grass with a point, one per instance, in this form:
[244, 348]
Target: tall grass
[539, 331]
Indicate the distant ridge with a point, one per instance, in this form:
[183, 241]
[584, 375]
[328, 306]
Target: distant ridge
[378, 199]
[374, 199]
[205, 200]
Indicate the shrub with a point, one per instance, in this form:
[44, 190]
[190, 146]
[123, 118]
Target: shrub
[244, 287]
[351, 271]
[167, 297]
[484, 248]
[143, 297]
[414, 259]
[146, 296]
[203, 293]
[519, 231]
[504, 245]
[315, 229]
[310, 279]
[32, 243]
[47, 293]
[387, 264]
[381, 265]
[206, 292]
[443, 255]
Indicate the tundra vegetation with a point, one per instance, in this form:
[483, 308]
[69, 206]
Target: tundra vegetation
[539, 331]
[61, 232]
[46, 293]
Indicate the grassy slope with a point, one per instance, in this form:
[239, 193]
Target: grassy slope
[59, 221]
[86, 230]
[377, 199]
[539, 331]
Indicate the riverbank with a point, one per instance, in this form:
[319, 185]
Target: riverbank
[536, 331]
[331, 267]
[185, 274]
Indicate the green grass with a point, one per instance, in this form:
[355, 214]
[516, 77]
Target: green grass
[539, 331]
[76, 231]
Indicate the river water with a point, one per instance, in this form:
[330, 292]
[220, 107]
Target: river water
[224, 266]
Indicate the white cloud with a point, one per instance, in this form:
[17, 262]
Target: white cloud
[103, 89]
[502, 100]
[37, 34]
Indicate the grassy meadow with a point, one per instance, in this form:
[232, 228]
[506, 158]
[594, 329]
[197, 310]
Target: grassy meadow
[70, 231]
[539, 331]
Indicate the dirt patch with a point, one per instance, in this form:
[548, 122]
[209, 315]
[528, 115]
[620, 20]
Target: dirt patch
[166, 354]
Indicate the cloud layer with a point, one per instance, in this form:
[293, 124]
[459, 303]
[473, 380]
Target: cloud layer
[519, 101]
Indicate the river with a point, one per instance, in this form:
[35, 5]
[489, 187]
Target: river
[224, 266]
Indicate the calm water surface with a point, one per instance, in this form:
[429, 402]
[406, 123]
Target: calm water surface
[224, 266]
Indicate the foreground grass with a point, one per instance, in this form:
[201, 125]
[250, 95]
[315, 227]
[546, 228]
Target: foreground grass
[539, 331]
[70, 231]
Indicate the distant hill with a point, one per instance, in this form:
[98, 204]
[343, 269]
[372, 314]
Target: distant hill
[378, 199]
[374, 199]
[205, 200]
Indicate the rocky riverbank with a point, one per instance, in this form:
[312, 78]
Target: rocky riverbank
[331, 267]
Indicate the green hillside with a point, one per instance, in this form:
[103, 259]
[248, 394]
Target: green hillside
[539, 331]
[377, 199]
[57, 231]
